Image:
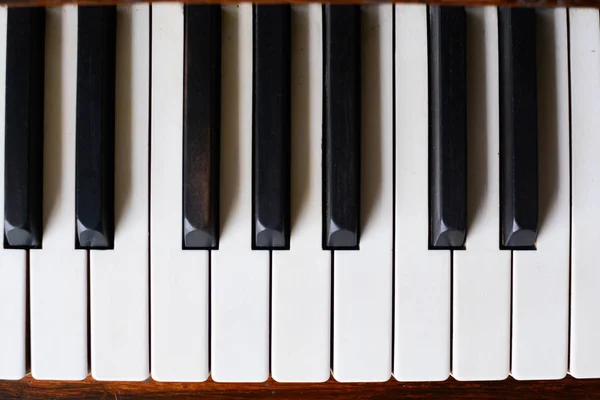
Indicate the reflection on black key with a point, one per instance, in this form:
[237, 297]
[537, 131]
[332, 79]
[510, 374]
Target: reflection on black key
[271, 127]
[95, 126]
[518, 128]
[341, 126]
[24, 127]
[447, 127]
[201, 126]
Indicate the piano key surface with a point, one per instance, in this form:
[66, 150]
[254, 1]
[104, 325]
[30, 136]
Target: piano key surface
[540, 294]
[238, 314]
[95, 127]
[481, 274]
[240, 276]
[341, 126]
[201, 126]
[119, 292]
[271, 127]
[58, 273]
[301, 276]
[24, 126]
[518, 127]
[179, 279]
[584, 60]
[422, 277]
[447, 126]
[362, 279]
[13, 264]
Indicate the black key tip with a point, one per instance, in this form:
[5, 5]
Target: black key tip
[520, 238]
[19, 237]
[448, 238]
[340, 238]
[92, 238]
[268, 238]
[195, 238]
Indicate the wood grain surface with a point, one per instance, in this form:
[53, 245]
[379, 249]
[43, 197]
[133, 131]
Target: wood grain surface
[567, 388]
[508, 3]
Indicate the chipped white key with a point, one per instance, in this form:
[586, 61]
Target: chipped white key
[482, 272]
[13, 267]
[239, 275]
[301, 277]
[119, 297]
[585, 146]
[58, 272]
[422, 280]
[540, 304]
[362, 279]
[178, 278]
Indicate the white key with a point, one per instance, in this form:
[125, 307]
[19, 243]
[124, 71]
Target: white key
[300, 326]
[422, 281]
[585, 146]
[362, 280]
[119, 278]
[58, 272]
[239, 275]
[482, 272]
[179, 278]
[540, 320]
[13, 264]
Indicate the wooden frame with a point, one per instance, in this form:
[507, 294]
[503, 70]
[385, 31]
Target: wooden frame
[567, 388]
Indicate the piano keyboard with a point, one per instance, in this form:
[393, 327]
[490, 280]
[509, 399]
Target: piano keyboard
[299, 191]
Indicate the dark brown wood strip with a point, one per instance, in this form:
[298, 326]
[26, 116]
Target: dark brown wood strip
[567, 388]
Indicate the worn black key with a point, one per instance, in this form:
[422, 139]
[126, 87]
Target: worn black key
[201, 126]
[271, 127]
[447, 127]
[95, 126]
[341, 126]
[24, 130]
[518, 128]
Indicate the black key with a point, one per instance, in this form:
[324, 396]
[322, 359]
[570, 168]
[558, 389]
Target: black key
[271, 127]
[95, 126]
[447, 127]
[518, 128]
[341, 126]
[201, 126]
[24, 130]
